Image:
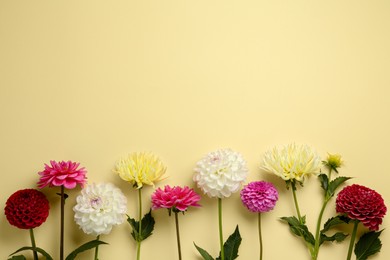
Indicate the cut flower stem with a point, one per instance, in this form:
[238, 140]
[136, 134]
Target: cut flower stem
[62, 222]
[140, 223]
[353, 236]
[301, 221]
[177, 234]
[260, 237]
[220, 228]
[33, 244]
[97, 249]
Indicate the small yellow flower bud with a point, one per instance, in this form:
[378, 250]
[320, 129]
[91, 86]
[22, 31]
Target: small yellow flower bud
[333, 161]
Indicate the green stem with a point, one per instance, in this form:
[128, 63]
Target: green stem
[353, 236]
[319, 220]
[317, 239]
[178, 235]
[62, 223]
[260, 237]
[33, 243]
[293, 187]
[140, 223]
[97, 248]
[308, 245]
[220, 228]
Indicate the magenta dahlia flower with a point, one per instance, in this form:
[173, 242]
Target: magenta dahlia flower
[361, 203]
[62, 173]
[176, 198]
[27, 208]
[259, 196]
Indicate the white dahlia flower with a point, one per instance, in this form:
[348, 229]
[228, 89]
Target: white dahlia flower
[292, 162]
[99, 207]
[220, 173]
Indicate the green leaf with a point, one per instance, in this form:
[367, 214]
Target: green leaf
[147, 226]
[203, 253]
[334, 221]
[87, 246]
[17, 257]
[37, 249]
[299, 229]
[368, 245]
[324, 181]
[231, 245]
[338, 237]
[333, 185]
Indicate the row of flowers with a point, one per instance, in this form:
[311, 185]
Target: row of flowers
[218, 175]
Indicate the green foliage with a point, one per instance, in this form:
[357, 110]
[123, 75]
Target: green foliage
[338, 237]
[300, 229]
[369, 244]
[87, 246]
[324, 181]
[36, 249]
[147, 226]
[334, 221]
[333, 185]
[203, 253]
[17, 257]
[231, 245]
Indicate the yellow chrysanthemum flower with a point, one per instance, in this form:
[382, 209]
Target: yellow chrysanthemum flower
[140, 169]
[292, 162]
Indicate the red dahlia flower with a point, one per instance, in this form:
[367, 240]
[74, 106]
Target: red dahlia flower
[27, 208]
[62, 173]
[361, 203]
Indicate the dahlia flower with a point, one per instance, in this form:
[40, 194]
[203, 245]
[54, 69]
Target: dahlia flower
[259, 196]
[220, 173]
[100, 207]
[292, 162]
[62, 173]
[363, 204]
[27, 209]
[176, 198]
[140, 168]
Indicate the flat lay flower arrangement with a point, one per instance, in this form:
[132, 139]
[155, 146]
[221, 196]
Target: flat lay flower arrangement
[219, 174]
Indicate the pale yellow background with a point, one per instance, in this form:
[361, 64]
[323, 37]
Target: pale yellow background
[92, 81]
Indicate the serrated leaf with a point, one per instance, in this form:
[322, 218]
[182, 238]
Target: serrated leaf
[334, 221]
[324, 181]
[333, 185]
[338, 237]
[203, 253]
[299, 229]
[147, 226]
[369, 244]
[37, 249]
[231, 245]
[17, 257]
[84, 247]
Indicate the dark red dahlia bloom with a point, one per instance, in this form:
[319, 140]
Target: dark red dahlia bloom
[361, 203]
[27, 208]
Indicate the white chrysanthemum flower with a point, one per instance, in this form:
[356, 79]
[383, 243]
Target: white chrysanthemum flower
[292, 162]
[99, 207]
[221, 173]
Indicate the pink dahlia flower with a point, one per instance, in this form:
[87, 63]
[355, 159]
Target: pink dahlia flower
[27, 208]
[259, 196]
[361, 203]
[62, 173]
[176, 198]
